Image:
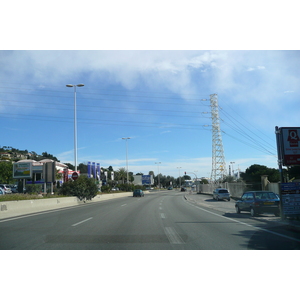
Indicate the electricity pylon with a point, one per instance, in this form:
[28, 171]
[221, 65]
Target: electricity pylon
[218, 171]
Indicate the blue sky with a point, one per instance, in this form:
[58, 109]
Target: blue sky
[160, 99]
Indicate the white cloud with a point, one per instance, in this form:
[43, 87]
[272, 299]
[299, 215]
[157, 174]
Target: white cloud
[250, 69]
[287, 92]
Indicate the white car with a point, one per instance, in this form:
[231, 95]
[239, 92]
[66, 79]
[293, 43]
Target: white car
[5, 188]
[221, 194]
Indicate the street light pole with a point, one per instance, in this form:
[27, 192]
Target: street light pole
[75, 123]
[179, 177]
[158, 173]
[232, 162]
[128, 138]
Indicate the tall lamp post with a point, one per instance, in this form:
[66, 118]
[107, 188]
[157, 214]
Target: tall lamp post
[179, 177]
[75, 123]
[158, 173]
[232, 162]
[128, 138]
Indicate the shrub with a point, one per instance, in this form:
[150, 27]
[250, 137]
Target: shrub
[33, 189]
[105, 188]
[82, 188]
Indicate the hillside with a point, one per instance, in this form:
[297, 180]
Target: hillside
[13, 154]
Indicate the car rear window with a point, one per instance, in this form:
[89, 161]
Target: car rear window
[223, 191]
[265, 195]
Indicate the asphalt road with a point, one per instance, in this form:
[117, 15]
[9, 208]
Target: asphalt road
[160, 220]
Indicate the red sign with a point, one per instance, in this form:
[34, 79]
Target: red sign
[290, 146]
[74, 175]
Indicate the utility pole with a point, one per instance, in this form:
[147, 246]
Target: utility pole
[218, 171]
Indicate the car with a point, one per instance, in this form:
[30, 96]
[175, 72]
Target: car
[183, 189]
[2, 192]
[170, 188]
[257, 202]
[221, 194]
[14, 188]
[6, 188]
[138, 193]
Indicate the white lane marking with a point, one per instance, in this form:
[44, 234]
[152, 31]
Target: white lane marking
[173, 236]
[162, 215]
[123, 204]
[82, 221]
[249, 225]
[160, 207]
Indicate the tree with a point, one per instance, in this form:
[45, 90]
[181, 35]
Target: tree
[122, 174]
[254, 173]
[294, 172]
[70, 166]
[50, 156]
[83, 168]
[6, 172]
[83, 188]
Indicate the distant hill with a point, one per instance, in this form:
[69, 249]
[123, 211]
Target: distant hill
[12, 154]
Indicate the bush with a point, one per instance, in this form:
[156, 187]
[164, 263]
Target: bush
[82, 188]
[105, 188]
[126, 187]
[33, 189]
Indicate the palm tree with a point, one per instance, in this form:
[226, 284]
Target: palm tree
[122, 174]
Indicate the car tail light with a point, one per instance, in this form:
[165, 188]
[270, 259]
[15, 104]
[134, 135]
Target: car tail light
[256, 203]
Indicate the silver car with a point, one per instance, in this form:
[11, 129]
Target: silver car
[221, 194]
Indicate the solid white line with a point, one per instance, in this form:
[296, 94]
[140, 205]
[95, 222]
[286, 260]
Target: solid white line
[82, 221]
[249, 225]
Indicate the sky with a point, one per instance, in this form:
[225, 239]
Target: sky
[149, 81]
[159, 99]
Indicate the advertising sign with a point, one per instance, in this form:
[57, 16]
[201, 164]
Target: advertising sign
[94, 169]
[89, 169]
[290, 145]
[290, 193]
[147, 179]
[22, 170]
[98, 171]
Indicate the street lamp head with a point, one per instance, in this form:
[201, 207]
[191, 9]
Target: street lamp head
[72, 85]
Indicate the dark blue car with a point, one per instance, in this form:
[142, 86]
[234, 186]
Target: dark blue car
[258, 202]
[138, 193]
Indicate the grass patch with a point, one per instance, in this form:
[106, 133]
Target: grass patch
[18, 197]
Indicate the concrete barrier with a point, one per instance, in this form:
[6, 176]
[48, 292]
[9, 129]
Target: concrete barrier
[16, 208]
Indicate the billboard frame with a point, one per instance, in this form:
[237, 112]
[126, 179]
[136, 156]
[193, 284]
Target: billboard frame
[27, 170]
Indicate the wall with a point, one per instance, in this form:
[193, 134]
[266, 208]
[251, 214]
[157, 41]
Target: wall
[236, 189]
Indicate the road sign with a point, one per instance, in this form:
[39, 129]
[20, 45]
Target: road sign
[290, 143]
[74, 175]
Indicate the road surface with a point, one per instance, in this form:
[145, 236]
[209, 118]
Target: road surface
[163, 220]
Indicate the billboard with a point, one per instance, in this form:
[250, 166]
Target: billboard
[290, 145]
[147, 179]
[22, 170]
[290, 193]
